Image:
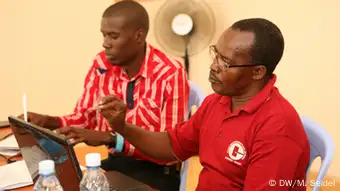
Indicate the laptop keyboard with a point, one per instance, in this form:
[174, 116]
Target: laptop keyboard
[32, 157]
[112, 188]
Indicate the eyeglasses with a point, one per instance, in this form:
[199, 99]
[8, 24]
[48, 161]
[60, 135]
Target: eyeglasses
[11, 159]
[222, 62]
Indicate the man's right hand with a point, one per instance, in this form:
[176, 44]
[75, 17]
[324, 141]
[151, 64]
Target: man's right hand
[113, 110]
[42, 120]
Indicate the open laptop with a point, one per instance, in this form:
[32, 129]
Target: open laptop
[37, 143]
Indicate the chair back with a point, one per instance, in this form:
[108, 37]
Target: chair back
[321, 145]
[196, 97]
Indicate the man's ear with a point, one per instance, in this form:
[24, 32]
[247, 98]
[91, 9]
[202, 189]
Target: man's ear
[140, 36]
[259, 72]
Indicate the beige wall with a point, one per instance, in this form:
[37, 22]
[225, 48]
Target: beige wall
[47, 47]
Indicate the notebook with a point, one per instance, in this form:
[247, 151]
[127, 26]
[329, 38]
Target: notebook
[9, 153]
[14, 175]
[4, 124]
[9, 143]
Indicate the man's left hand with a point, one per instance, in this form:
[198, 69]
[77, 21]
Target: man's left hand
[90, 137]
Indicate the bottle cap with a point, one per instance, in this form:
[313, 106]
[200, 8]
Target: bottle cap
[93, 160]
[46, 167]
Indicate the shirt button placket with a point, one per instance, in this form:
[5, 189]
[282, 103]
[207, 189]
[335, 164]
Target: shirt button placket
[221, 128]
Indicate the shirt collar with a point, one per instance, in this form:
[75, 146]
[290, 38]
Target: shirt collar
[146, 70]
[260, 98]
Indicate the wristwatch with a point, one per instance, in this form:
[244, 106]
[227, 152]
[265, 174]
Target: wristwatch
[117, 142]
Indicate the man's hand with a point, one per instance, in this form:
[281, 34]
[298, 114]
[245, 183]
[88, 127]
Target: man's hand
[35, 118]
[90, 137]
[42, 120]
[114, 111]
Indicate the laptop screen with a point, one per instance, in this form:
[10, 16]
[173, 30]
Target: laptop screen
[38, 144]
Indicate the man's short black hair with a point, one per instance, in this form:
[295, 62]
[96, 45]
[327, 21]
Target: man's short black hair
[131, 10]
[269, 43]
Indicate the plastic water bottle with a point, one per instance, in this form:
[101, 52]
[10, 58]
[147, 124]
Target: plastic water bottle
[47, 180]
[94, 179]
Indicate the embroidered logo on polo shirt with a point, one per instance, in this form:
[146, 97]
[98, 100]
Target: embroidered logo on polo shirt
[236, 152]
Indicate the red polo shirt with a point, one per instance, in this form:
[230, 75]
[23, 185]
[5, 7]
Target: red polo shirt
[253, 148]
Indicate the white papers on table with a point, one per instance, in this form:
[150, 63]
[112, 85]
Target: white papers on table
[9, 153]
[9, 143]
[14, 175]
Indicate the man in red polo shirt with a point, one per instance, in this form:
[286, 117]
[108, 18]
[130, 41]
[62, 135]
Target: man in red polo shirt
[247, 135]
[153, 85]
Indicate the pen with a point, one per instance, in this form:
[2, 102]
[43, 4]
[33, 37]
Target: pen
[96, 107]
[24, 103]
[93, 108]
